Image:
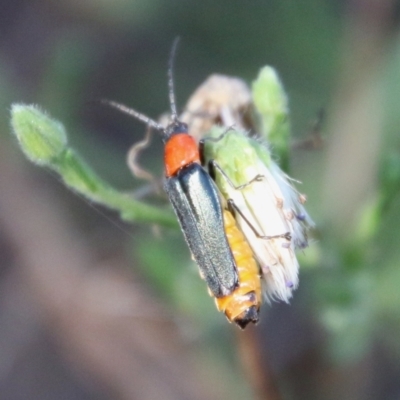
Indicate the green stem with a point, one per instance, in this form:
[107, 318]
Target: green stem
[44, 142]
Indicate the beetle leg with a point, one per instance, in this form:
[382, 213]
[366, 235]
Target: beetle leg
[235, 209]
[213, 166]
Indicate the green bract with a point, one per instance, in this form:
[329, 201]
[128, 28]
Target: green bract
[235, 152]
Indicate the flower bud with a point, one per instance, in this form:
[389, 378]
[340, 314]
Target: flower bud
[41, 138]
[268, 208]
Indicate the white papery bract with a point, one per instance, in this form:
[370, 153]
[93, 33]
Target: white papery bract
[274, 220]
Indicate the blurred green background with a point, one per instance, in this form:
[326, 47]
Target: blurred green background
[93, 308]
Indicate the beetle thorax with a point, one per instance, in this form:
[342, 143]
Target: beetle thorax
[180, 150]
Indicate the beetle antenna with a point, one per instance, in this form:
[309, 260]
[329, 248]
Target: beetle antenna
[171, 91]
[133, 113]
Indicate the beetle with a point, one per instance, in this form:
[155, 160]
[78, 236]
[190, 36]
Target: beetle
[194, 197]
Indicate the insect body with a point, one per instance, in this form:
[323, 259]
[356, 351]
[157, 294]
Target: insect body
[242, 306]
[196, 202]
[194, 198]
